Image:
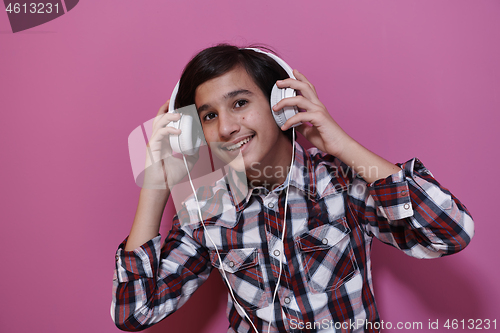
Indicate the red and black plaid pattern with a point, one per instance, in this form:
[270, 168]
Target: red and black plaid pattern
[332, 217]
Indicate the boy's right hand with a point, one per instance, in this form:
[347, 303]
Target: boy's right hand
[163, 170]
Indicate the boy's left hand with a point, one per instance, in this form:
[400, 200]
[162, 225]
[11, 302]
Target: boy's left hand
[324, 133]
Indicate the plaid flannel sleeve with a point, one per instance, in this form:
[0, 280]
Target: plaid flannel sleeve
[413, 212]
[151, 282]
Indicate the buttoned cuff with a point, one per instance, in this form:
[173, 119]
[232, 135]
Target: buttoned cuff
[391, 195]
[139, 263]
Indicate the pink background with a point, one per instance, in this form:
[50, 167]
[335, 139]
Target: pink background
[405, 78]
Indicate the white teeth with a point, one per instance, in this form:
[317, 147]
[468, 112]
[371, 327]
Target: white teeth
[238, 145]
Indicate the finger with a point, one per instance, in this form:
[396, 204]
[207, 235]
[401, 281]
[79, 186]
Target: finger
[299, 101]
[302, 117]
[305, 89]
[302, 78]
[161, 133]
[306, 130]
[164, 108]
[165, 119]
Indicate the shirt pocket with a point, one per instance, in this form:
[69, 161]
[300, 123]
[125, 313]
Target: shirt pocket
[244, 275]
[327, 256]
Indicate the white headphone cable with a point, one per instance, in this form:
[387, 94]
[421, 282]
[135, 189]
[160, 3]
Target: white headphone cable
[215, 246]
[284, 226]
[217, 251]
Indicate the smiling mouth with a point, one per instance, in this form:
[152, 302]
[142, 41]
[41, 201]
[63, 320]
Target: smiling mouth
[239, 144]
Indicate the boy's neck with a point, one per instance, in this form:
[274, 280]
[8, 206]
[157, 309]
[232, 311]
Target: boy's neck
[271, 176]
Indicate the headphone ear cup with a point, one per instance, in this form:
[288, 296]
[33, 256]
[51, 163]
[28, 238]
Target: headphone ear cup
[190, 139]
[186, 137]
[175, 140]
[281, 116]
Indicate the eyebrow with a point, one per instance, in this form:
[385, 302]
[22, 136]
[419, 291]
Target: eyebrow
[227, 96]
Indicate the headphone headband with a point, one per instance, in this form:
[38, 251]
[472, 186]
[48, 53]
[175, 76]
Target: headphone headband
[281, 62]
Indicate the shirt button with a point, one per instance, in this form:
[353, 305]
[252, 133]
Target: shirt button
[287, 300]
[406, 206]
[270, 205]
[403, 192]
[276, 253]
[324, 241]
[231, 264]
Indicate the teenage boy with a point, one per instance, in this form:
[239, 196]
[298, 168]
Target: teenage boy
[316, 256]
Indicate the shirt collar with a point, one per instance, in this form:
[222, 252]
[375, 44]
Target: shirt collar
[302, 177]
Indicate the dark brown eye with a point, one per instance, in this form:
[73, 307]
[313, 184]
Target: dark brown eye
[240, 103]
[209, 116]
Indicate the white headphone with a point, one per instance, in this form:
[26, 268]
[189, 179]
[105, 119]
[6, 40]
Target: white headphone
[191, 138]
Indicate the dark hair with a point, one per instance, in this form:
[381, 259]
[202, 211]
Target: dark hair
[218, 60]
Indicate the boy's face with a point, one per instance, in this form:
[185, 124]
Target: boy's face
[236, 117]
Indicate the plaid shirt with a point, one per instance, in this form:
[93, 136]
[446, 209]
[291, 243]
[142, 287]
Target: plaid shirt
[326, 283]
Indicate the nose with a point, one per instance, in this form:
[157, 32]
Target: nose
[228, 125]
